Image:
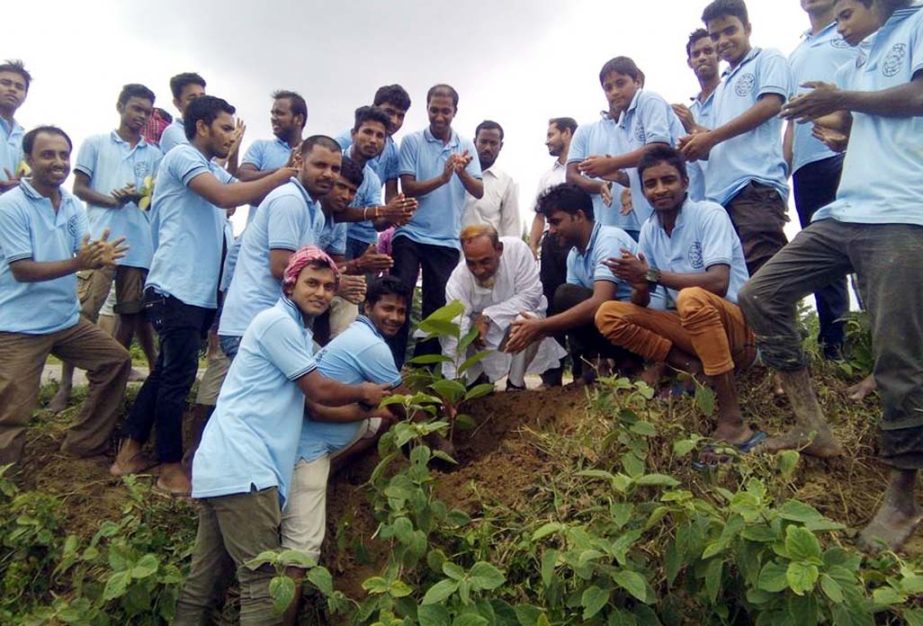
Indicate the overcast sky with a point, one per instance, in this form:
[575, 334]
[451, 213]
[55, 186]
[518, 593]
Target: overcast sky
[518, 62]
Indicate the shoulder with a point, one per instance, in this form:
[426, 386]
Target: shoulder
[370, 178]
[770, 57]
[707, 213]
[14, 201]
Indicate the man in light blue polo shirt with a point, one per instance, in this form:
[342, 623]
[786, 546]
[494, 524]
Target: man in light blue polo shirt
[185, 88]
[689, 254]
[569, 212]
[874, 227]
[244, 464]
[746, 174]
[292, 219]
[188, 221]
[815, 167]
[14, 87]
[44, 241]
[288, 117]
[110, 177]
[437, 168]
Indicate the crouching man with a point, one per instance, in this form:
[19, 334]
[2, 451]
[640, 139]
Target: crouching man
[243, 467]
[690, 254]
[498, 283]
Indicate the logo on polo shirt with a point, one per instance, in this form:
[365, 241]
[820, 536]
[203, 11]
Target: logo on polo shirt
[142, 169]
[744, 85]
[640, 135]
[73, 228]
[839, 43]
[895, 60]
[695, 256]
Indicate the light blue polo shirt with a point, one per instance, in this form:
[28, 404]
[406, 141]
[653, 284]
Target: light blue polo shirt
[703, 236]
[173, 135]
[817, 57]
[288, 219]
[755, 155]
[600, 138]
[251, 441]
[703, 114]
[882, 179]
[10, 147]
[110, 163]
[359, 354]
[266, 155]
[605, 242]
[387, 165]
[30, 229]
[648, 119]
[437, 220]
[332, 239]
[368, 195]
[188, 230]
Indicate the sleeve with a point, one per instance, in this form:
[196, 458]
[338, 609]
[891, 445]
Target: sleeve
[337, 244]
[579, 145]
[15, 237]
[391, 167]
[285, 346]
[170, 138]
[528, 286]
[156, 159]
[377, 365]
[717, 239]
[916, 45]
[654, 118]
[285, 222]
[87, 157]
[474, 167]
[775, 75]
[510, 225]
[344, 139]
[254, 155]
[571, 272]
[185, 166]
[408, 156]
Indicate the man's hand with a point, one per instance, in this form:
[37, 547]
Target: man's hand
[352, 288]
[294, 157]
[94, 255]
[386, 414]
[685, 116]
[482, 323]
[461, 161]
[627, 204]
[448, 169]
[238, 137]
[372, 261]
[372, 393]
[399, 210]
[824, 99]
[523, 333]
[597, 167]
[697, 145]
[605, 191]
[11, 181]
[123, 196]
[630, 268]
[833, 139]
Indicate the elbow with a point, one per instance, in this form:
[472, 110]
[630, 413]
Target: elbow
[478, 192]
[20, 275]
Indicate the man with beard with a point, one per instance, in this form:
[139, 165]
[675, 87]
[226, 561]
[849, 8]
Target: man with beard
[14, 87]
[499, 206]
[188, 219]
[497, 282]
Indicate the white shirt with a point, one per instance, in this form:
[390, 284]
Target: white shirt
[557, 175]
[499, 206]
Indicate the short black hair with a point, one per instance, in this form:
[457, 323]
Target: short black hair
[205, 109]
[371, 114]
[135, 90]
[564, 123]
[443, 90]
[320, 140]
[565, 197]
[726, 8]
[16, 66]
[392, 94]
[694, 36]
[659, 153]
[28, 140]
[299, 106]
[488, 125]
[351, 171]
[387, 286]
[621, 65]
[178, 82]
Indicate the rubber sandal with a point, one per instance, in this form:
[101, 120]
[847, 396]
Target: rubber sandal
[742, 448]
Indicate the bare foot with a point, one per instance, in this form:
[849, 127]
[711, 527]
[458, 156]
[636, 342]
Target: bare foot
[897, 517]
[174, 481]
[777, 389]
[861, 389]
[733, 435]
[59, 401]
[135, 376]
[820, 443]
[130, 459]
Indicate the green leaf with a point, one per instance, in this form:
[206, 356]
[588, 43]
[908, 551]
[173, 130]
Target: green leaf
[913, 617]
[463, 343]
[470, 619]
[888, 596]
[645, 429]
[433, 615]
[593, 600]
[448, 312]
[440, 591]
[912, 584]
[429, 359]
[799, 512]
[449, 390]
[801, 544]
[632, 465]
[705, 400]
[831, 589]
[760, 534]
[438, 328]
[657, 480]
[484, 576]
[787, 461]
[453, 571]
[713, 578]
[376, 585]
[547, 529]
[479, 391]
[528, 615]
[146, 566]
[683, 447]
[399, 589]
[116, 585]
[673, 562]
[282, 592]
[320, 577]
[549, 560]
[472, 360]
[632, 582]
[801, 577]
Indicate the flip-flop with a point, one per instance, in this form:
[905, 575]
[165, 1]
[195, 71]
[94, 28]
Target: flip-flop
[742, 448]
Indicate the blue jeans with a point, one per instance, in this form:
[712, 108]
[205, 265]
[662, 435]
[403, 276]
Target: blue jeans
[229, 345]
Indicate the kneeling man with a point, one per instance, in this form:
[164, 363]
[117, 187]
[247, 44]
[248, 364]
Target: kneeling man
[498, 282]
[690, 254]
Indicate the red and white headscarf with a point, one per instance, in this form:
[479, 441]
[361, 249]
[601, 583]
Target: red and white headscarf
[303, 258]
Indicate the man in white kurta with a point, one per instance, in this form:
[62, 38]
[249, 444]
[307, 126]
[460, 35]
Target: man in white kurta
[497, 281]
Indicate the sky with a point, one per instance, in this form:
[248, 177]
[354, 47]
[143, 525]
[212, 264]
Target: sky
[518, 62]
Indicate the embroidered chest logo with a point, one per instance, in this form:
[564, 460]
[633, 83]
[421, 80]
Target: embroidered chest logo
[695, 256]
[895, 60]
[73, 228]
[142, 169]
[640, 135]
[839, 43]
[744, 85]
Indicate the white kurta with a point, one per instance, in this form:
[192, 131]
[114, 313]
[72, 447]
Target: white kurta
[516, 289]
[499, 206]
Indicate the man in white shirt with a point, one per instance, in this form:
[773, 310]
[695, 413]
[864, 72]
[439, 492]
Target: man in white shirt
[497, 281]
[499, 206]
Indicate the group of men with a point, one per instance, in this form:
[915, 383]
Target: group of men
[657, 246]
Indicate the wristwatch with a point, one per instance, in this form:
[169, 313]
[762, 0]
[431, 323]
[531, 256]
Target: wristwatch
[652, 276]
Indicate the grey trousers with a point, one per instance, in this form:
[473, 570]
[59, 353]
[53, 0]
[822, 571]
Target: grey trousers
[888, 259]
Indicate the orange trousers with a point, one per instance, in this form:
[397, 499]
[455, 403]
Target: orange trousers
[704, 325]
